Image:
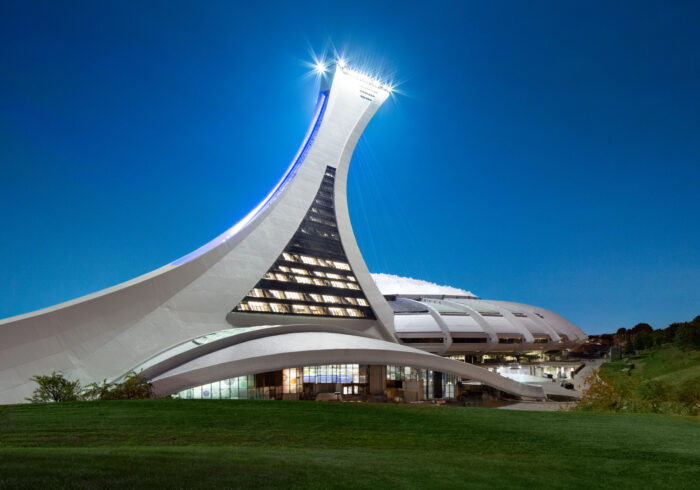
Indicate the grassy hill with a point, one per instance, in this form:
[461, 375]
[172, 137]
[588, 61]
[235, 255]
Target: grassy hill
[667, 363]
[191, 443]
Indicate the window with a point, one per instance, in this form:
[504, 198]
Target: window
[469, 340]
[510, 340]
[309, 260]
[314, 262]
[278, 308]
[422, 340]
[258, 306]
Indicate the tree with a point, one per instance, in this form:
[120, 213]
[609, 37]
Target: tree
[55, 388]
[643, 340]
[688, 335]
[629, 348]
[642, 327]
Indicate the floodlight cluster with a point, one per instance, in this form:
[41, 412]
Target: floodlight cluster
[320, 67]
[376, 82]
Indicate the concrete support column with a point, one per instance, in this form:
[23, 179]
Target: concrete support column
[377, 380]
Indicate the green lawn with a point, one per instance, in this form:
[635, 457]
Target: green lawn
[191, 443]
[667, 363]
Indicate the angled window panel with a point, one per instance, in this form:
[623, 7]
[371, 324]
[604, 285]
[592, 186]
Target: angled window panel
[312, 276]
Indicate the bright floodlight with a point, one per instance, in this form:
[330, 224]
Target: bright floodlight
[341, 62]
[320, 68]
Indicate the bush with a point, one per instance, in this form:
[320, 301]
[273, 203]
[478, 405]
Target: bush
[134, 387]
[689, 391]
[55, 388]
[600, 395]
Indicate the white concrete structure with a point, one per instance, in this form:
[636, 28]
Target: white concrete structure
[286, 286]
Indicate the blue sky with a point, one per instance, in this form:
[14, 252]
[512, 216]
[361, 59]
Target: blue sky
[540, 152]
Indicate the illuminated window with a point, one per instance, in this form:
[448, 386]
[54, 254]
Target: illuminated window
[314, 257]
[258, 306]
[316, 310]
[278, 308]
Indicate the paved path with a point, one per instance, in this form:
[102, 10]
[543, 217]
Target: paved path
[580, 378]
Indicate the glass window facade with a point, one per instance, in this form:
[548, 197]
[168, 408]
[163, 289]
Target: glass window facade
[307, 381]
[312, 275]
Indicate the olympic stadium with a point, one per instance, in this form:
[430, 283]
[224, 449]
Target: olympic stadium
[283, 306]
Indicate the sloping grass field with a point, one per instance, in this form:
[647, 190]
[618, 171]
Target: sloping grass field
[666, 363]
[273, 444]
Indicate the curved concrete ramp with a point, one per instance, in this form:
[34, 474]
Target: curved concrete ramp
[313, 348]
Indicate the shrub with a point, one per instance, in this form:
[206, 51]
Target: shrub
[55, 388]
[689, 391]
[97, 391]
[134, 387]
[600, 395]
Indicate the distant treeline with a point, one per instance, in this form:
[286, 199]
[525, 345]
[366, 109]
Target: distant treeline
[684, 335]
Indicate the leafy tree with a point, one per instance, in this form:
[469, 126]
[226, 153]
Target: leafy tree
[642, 327]
[629, 348]
[55, 388]
[688, 335]
[643, 340]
